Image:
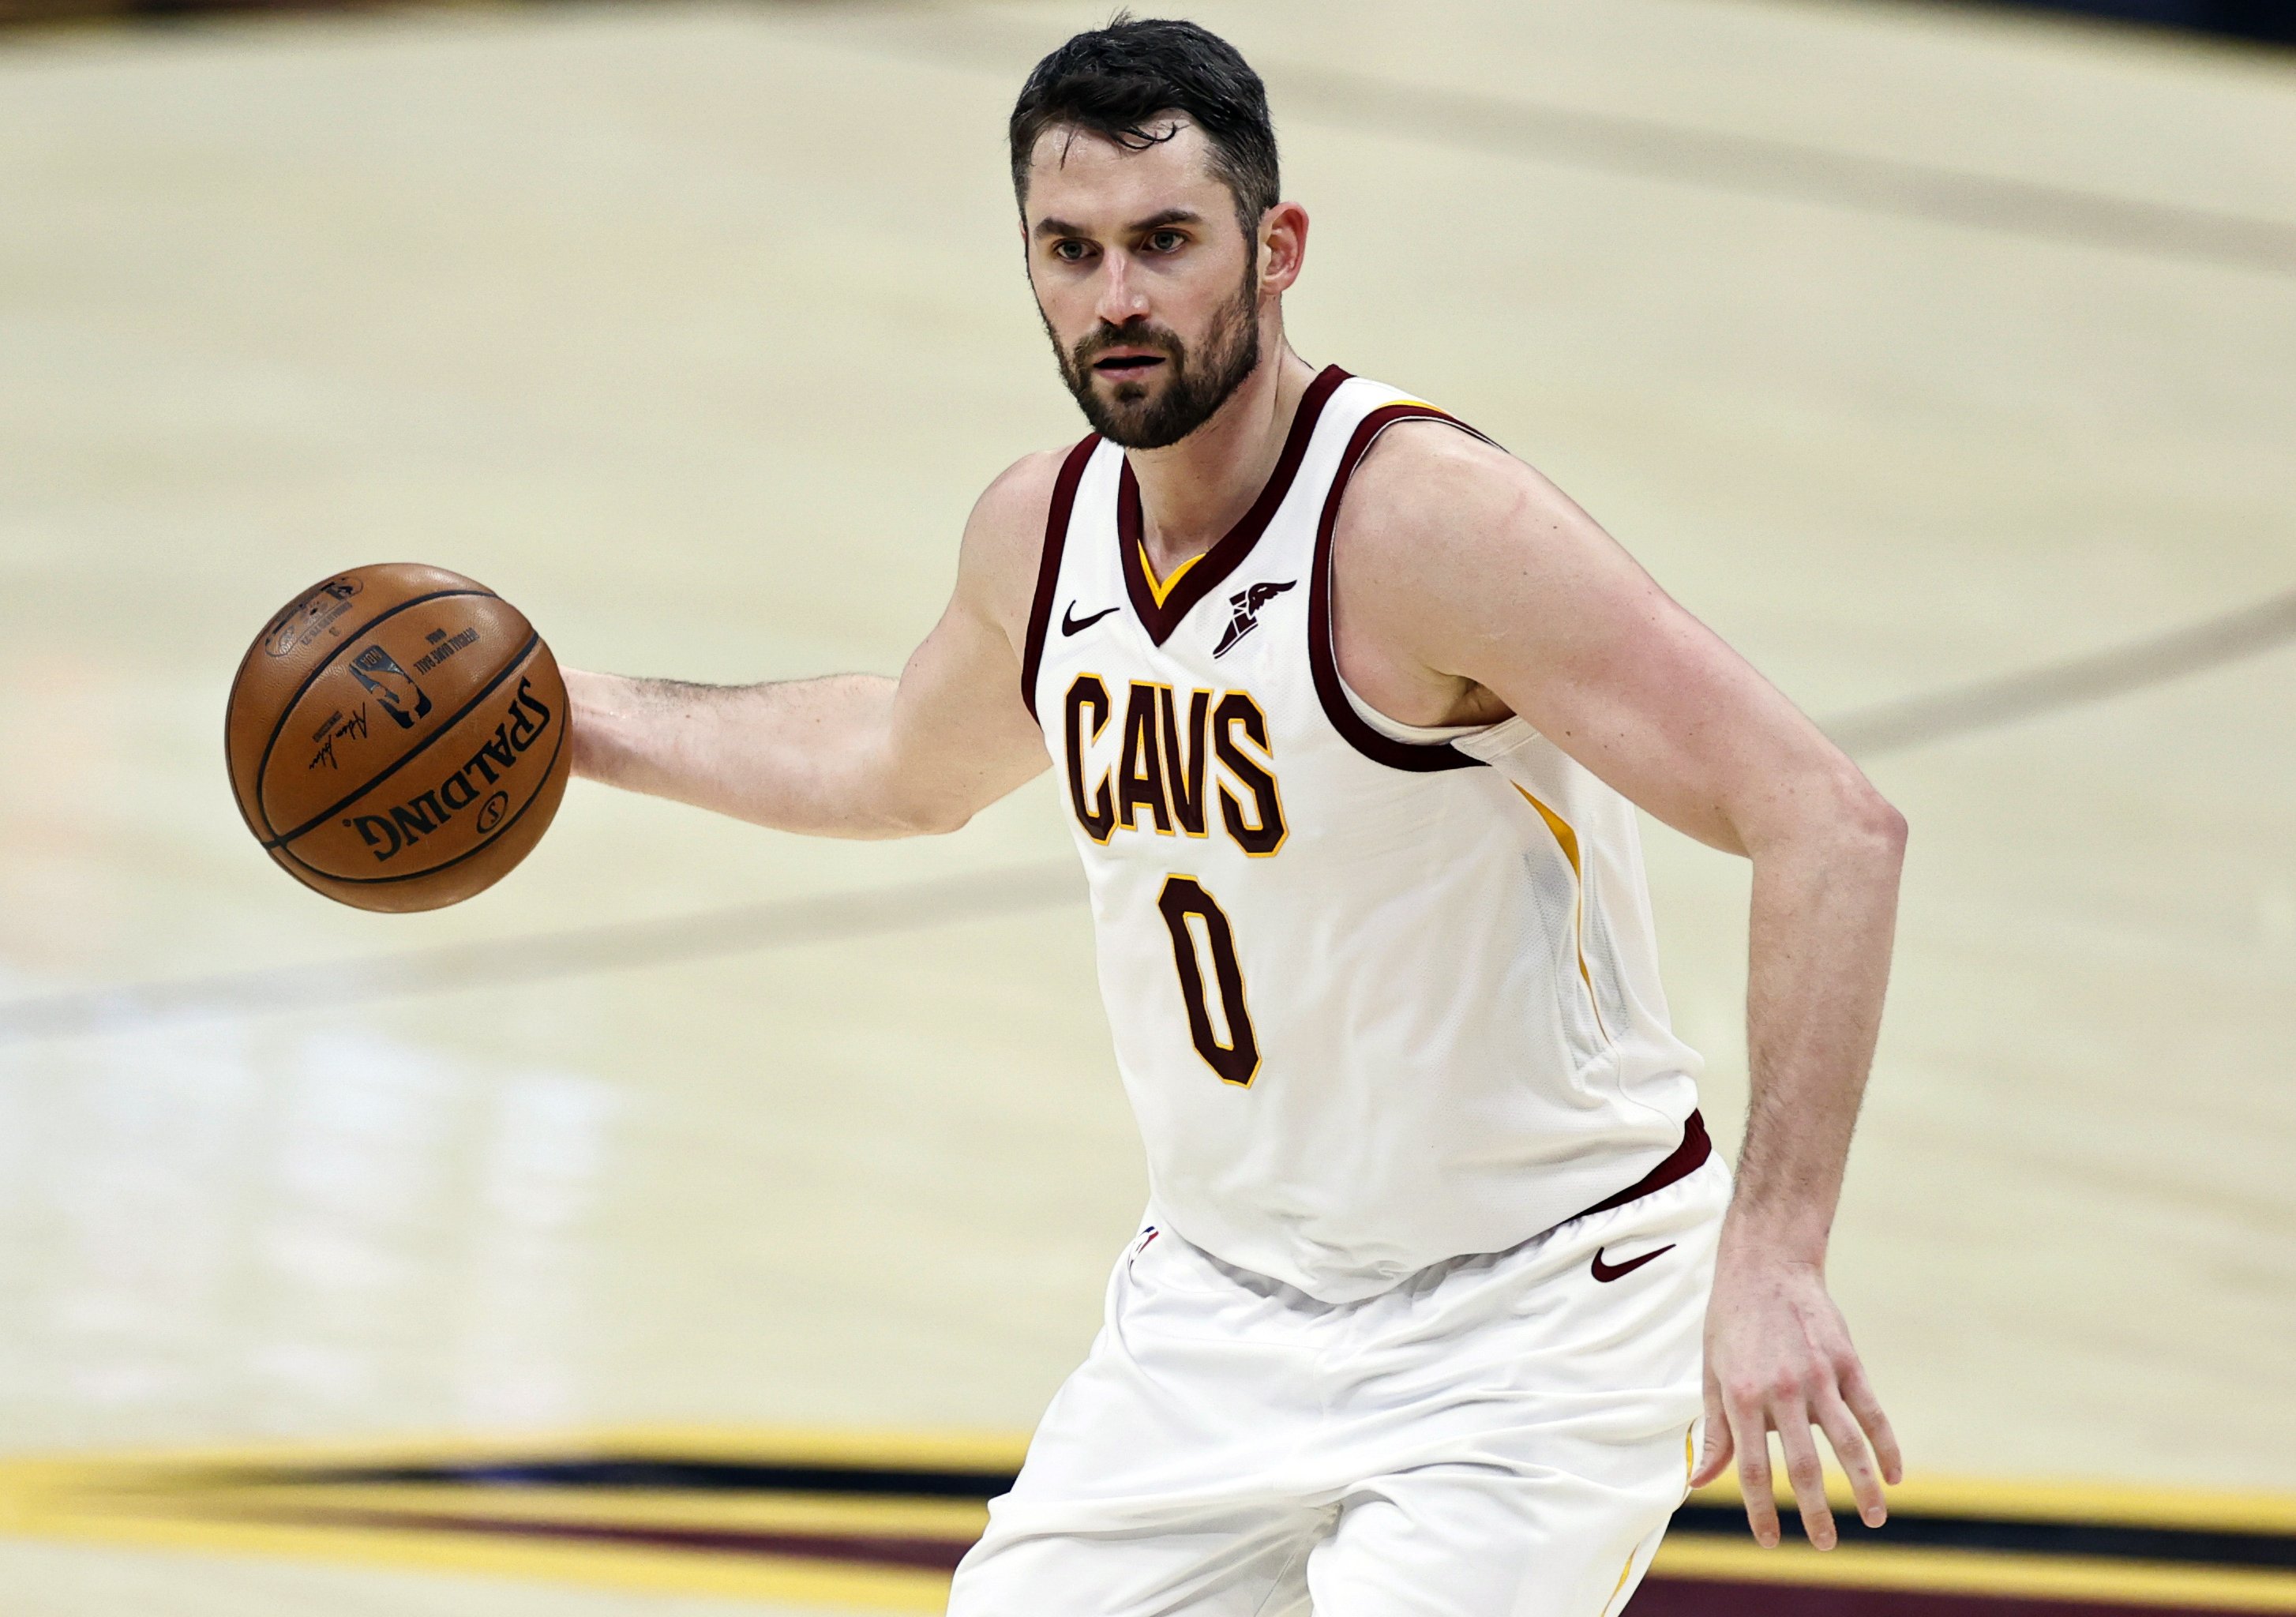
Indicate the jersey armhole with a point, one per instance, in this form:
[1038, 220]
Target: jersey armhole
[1323, 654]
[1048, 566]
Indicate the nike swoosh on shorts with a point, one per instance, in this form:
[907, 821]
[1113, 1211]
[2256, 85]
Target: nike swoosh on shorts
[1608, 1272]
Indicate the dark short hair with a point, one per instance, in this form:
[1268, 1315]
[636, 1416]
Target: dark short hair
[1114, 81]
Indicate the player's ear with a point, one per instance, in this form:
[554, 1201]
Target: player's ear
[1282, 245]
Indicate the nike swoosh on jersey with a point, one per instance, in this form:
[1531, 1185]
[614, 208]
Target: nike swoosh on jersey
[1070, 624]
[1608, 1272]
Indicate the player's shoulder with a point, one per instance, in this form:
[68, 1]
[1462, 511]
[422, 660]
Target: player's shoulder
[1019, 499]
[1005, 536]
[1438, 466]
[1426, 486]
[1008, 520]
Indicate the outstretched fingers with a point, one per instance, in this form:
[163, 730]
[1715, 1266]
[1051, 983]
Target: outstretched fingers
[1749, 1435]
[1778, 1359]
[1857, 1457]
[1858, 1392]
[1853, 1422]
[1739, 1426]
[1805, 1470]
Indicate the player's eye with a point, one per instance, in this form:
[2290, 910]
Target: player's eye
[1070, 251]
[1166, 241]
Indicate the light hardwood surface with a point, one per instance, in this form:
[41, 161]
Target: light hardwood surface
[695, 330]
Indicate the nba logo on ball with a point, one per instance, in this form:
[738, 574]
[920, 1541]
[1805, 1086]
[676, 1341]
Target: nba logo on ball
[374, 669]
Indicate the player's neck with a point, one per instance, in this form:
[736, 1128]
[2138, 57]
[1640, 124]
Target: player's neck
[1194, 491]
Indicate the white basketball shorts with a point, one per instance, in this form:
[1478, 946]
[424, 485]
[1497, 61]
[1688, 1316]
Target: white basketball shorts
[1498, 1436]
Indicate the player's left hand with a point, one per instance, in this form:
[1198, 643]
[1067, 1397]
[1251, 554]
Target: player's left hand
[1778, 1359]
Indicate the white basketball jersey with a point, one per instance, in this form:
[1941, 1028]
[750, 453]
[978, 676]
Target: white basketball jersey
[1381, 996]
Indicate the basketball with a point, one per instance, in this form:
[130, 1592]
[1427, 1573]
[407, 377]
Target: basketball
[397, 737]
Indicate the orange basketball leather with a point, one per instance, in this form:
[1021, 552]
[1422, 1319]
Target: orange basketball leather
[397, 737]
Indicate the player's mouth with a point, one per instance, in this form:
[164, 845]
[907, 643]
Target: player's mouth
[1128, 365]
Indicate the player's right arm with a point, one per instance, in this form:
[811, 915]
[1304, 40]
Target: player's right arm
[855, 755]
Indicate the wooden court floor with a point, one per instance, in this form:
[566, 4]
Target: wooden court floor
[704, 1215]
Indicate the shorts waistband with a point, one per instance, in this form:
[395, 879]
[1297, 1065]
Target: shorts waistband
[1683, 1161]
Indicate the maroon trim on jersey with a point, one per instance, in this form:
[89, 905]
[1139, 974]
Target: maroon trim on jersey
[1322, 656]
[1683, 1161]
[1207, 572]
[1048, 566]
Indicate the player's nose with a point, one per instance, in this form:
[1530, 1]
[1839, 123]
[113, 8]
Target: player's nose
[1121, 298]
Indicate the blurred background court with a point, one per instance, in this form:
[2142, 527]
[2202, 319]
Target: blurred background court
[705, 1214]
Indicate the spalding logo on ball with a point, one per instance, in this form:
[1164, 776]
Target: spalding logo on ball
[397, 737]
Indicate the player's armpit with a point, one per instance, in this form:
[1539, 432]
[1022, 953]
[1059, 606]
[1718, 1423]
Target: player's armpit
[959, 735]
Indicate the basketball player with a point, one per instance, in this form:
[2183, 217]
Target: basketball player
[1351, 711]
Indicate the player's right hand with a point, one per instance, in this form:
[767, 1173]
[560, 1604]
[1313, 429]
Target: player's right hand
[1779, 1358]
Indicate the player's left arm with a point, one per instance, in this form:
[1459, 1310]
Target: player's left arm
[1474, 580]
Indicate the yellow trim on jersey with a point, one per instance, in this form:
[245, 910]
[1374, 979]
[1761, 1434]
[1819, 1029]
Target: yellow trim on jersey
[1162, 590]
[1624, 1572]
[1568, 841]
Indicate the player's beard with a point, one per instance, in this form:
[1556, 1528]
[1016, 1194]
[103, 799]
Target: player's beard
[1193, 386]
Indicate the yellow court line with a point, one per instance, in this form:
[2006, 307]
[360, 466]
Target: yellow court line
[111, 1499]
[2040, 1499]
[121, 1498]
[1854, 1565]
[957, 1520]
[1967, 1572]
[2108, 1504]
[929, 1448]
[618, 1567]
